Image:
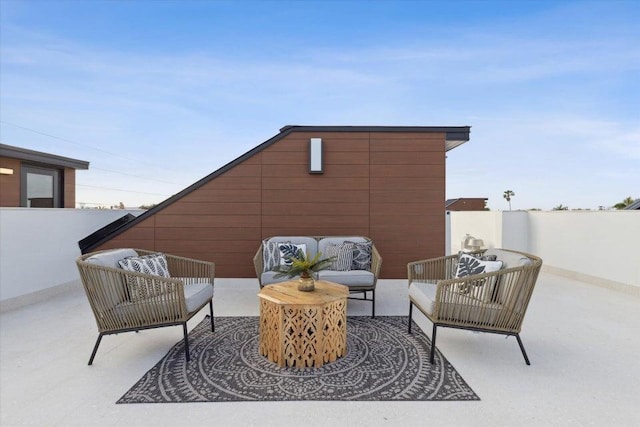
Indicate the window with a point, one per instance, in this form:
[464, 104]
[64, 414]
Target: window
[40, 187]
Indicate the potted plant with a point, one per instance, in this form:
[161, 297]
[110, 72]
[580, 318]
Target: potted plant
[305, 267]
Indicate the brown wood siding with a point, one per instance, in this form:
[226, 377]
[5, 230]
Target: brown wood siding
[470, 204]
[10, 184]
[407, 198]
[389, 186]
[69, 188]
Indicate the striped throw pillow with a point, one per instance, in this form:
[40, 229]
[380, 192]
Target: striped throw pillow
[154, 264]
[344, 256]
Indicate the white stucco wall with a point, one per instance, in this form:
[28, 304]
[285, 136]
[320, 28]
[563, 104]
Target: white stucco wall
[485, 225]
[38, 247]
[600, 244]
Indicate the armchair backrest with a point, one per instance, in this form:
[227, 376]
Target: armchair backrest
[103, 279]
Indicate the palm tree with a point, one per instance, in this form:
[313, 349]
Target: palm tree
[508, 195]
[623, 204]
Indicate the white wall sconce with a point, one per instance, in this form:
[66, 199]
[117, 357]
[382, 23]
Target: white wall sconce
[315, 155]
[6, 171]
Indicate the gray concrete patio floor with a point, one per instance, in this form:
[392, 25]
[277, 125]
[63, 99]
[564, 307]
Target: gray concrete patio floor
[583, 342]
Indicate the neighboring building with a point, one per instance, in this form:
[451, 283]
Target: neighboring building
[466, 204]
[387, 183]
[37, 180]
[634, 206]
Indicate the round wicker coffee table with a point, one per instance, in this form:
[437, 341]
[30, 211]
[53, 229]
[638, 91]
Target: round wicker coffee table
[303, 329]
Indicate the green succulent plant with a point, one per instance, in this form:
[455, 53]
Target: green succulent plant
[303, 266]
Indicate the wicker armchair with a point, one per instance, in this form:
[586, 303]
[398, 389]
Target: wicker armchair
[490, 302]
[154, 302]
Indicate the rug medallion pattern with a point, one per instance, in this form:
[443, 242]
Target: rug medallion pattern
[382, 362]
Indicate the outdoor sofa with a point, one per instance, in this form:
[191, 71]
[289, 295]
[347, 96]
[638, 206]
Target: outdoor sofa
[357, 265]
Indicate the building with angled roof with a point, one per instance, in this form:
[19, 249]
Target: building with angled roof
[466, 204]
[385, 182]
[34, 179]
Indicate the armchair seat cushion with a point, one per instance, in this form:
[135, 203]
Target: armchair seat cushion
[466, 309]
[424, 295]
[197, 294]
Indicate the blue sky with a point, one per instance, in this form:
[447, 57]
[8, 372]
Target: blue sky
[157, 95]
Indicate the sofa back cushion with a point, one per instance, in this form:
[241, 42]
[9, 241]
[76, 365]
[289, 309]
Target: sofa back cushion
[271, 251]
[361, 252]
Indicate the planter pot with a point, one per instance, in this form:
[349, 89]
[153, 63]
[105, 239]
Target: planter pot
[306, 284]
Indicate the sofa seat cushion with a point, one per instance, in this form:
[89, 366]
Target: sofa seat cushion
[353, 279]
[468, 310]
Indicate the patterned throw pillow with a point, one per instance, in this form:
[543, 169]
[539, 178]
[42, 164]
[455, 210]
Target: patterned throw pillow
[344, 256]
[479, 256]
[154, 264]
[361, 255]
[289, 250]
[270, 256]
[469, 265]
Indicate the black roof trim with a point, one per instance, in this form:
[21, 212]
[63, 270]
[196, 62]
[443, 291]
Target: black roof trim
[286, 130]
[40, 157]
[454, 133]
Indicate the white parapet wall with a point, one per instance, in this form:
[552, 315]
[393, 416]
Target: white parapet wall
[38, 248]
[599, 247]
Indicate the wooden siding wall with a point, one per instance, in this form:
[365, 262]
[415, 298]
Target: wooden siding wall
[389, 186]
[10, 184]
[467, 205]
[69, 185]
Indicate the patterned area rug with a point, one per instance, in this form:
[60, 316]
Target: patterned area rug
[383, 362]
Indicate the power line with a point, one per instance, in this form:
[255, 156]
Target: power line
[135, 176]
[81, 144]
[119, 189]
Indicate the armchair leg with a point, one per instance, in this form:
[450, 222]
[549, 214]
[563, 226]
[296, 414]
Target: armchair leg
[186, 341]
[524, 353]
[410, 313]
[95, 349]
[373, 303]
[211, 312]
[433, 343]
